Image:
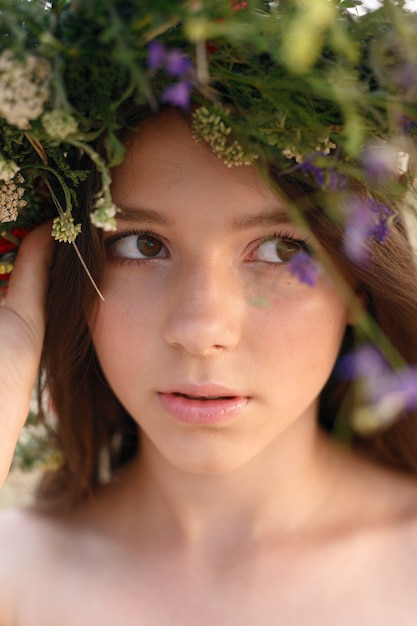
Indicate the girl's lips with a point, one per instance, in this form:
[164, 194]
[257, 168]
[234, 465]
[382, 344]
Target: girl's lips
[197, 408]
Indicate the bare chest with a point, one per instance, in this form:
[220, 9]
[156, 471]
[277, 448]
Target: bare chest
[343, 588]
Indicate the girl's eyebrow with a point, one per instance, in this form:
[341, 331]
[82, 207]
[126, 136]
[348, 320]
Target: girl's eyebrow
[139, 214]
[272, 218]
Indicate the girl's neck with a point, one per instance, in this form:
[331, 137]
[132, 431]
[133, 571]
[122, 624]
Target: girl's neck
[280, 490]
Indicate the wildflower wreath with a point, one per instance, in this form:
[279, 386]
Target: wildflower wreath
[323, 89]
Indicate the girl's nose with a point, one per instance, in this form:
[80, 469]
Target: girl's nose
[204, 311]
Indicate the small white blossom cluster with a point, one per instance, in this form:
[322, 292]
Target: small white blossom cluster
[24, 88]
[11, 199]
[324, 146]
[104, 214]
[208, 126]
[64, 229]
[59, 124]
[292, 153]
[8, 169]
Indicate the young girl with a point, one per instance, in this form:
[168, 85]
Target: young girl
[195, 483]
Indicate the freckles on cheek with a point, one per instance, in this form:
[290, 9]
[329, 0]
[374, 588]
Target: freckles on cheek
[273, 331]
[125, 321]
[310, 322]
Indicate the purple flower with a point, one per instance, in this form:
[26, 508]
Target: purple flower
[365, 361]
[380, 231]
[326, 177]
[357, 228]
[336, 181]
[366, 221]
[178, 94]
[317, 172]
[406, 125]
[379, 163]
[156, 55]
[173, 61]
[303, 266]
[387, 391]
[400, 384]
[177, 64]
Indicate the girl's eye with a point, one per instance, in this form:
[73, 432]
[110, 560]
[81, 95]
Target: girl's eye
[137, 246]
[278, 250]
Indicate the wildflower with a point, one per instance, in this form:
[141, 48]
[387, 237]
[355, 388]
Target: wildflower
[380, 163]
[178, 95]
[177, 64]
[326, 177]
[59, 124]
[366, 221]
[24, 88]
[234, 154]
[64, 229]
[303, 266]
[325, 146]
[292, 153]
[208, 126]
[385, 392]
[11, 199]
[8, 169]
[6, 268]
[156, 55]
[173, 61]
[104, 214]
[365, 361]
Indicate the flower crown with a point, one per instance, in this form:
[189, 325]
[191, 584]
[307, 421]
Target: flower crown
[321, 89]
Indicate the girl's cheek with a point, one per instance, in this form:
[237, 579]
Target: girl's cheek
[128, 288]
[273, 287]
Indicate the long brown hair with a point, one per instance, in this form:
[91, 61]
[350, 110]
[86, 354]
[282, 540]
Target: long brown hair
[91, 421]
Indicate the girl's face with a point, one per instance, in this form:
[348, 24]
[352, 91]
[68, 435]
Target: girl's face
[208, 340]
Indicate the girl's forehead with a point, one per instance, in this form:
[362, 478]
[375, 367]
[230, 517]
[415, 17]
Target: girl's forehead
[162, 155]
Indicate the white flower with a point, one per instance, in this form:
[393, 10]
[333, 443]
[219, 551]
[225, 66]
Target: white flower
[59, 124]
[8, 169]
[209, 127]
[104, 214]
[325, 146]
[11, 199]
[292, 153]
[64, 229]
[24, 88]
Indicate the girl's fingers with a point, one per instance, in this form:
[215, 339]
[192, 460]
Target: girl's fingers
[28, 283]
[22, 327]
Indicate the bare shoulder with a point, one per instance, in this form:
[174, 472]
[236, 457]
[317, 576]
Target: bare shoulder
[389, 543]
[18, 528]
[381, 508]
[22, 529]
[31, 544]
[17, 558]
[24, 534]
[368, 543]
[31, 540]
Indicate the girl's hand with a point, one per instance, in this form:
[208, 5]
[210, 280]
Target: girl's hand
[22, 328]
